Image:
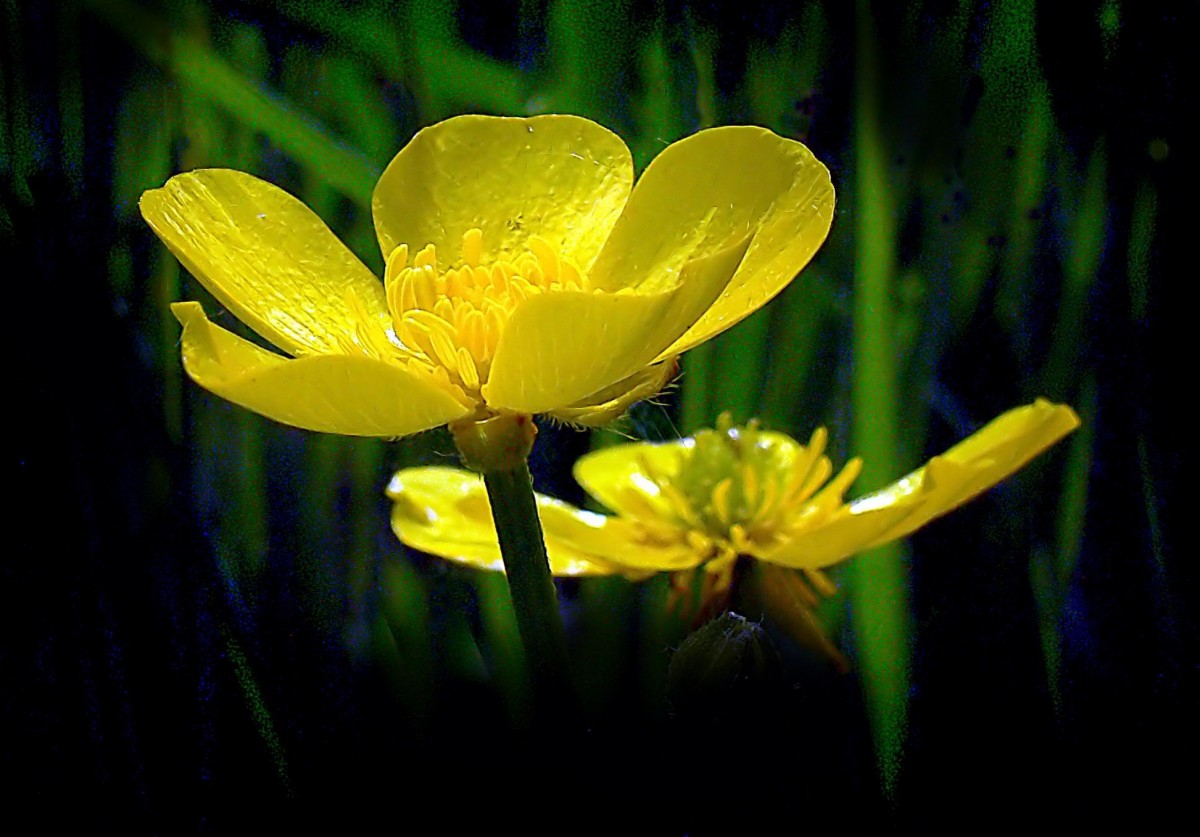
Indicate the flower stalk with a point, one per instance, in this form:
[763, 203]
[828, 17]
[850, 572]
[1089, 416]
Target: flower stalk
[498, 448]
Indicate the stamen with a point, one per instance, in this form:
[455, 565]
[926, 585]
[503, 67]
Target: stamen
[472, 246]
[396, 262]
[453, 319]
[835, 490]
[720, 500]
[427, 257]
[466, 369]
[547, 259]
[424, 282]
[750, 485]
[801, 491]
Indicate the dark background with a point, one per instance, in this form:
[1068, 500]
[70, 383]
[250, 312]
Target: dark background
[208, 624]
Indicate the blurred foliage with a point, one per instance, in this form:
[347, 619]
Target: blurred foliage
[245, 620]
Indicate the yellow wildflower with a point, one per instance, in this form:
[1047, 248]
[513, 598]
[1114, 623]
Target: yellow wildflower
[704, 501]
[526, 273]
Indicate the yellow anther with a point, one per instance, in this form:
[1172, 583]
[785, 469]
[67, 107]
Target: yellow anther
[679, 504]
[833, 493]
[569, 275]
[739, 538]
[471, 332]
[444, 349]
[720, 500]
[770, 496]
[801, 490]
[466, 369]
[396, 262]
[547, 259]
[698, 542]
[427, 257]
[425, 291]
[750, 485]
[472, 246]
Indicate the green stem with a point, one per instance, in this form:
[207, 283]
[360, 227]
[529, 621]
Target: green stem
[535, 602]
[498, 447]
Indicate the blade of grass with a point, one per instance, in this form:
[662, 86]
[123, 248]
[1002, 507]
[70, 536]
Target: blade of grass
[878, 579]
[258, 709]
[1072, 513]
[207, 75]
[1082, 259]
[502, 644]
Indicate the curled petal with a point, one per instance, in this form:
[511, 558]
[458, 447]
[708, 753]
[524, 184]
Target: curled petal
[445, 512]
[608, 404]
[998, 450]
[705, 192]
[560, 348]
[944, 483]
[563, 178]
[266, 257]
[349, 394]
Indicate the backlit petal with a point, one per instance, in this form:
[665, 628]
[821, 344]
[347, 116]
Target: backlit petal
[946, 482]
[833, 538]
[349, 394]
[560, 348]
[265, 256]
[563, 178]
[622, 477]
[706, 191]
[974, 465]
[445, 512]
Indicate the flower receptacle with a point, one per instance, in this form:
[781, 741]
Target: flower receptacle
[497, 443]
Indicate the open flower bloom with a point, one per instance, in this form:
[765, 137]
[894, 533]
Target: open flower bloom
[526, 273]
[704, 501]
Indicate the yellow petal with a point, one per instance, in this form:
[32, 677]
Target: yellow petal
[833, 538]
[560, 348]
[609, 404]
[265, 256]
[708, 190]
[445, 512]
[563, 178]
[622, 477]
[974, 465]
[348, 394]
[946, 482]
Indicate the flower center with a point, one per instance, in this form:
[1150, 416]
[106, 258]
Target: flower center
[739, 487]
[451, 320]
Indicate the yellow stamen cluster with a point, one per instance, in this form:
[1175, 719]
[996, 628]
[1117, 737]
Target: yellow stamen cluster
[736, 490]
[448, 322]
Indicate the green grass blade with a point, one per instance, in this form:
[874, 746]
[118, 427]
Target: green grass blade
[878, 579]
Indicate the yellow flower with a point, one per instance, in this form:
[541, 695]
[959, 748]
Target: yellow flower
[703, 501]
[525, 273]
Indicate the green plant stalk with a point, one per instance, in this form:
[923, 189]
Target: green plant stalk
[498, 447]
[878, 588]
[519, 530]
